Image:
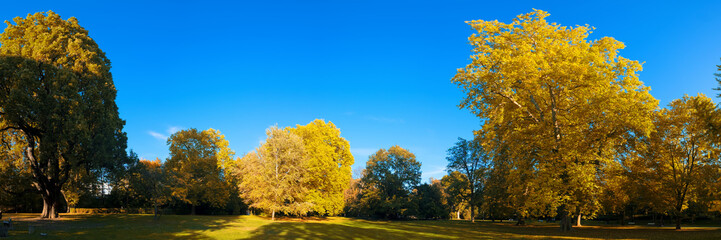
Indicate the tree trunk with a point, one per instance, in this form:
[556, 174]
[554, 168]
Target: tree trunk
[192, 209]
[155, 211]
[623, 218]
[272, 216]
[566, 222]
[458, 214]
[51, 203]
[578, 220]
[521, 221]
[678, 222]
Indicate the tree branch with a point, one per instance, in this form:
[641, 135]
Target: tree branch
[517, 104]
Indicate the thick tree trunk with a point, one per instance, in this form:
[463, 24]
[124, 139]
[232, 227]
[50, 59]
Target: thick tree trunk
[192, 209]
[521, 221]
[622, 220]
[272, 216]
[458, 214]
[678, 222]
[51, 203]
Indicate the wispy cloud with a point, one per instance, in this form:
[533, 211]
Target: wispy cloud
[436, 173]
[158, 136]
[438, 170]
[385, 119]
[164, 137]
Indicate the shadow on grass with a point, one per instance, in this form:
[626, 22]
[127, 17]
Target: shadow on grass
[122, 226]
[363, 229]
[119, 226]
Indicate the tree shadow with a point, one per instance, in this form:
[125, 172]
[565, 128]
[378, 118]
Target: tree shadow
[119, 226]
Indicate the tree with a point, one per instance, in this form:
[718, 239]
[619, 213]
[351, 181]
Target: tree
[329, 165]
[455, 186]
[352, 198]
[389, 178]
[274, 176]
[196, 167]
[427, 201]
[680, 150]
[57, 91]
[149, 185]
[469, 159]
[566, 99]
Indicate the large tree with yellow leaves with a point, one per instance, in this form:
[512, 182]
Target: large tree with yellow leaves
[56, 91]
[565, 100]
[329, 163]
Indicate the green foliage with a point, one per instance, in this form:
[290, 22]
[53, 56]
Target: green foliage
[428, 202]
[57, 91]
[471, 161]
[388, 180]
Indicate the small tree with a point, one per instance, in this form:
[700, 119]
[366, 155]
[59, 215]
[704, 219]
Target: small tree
[388, 180]
[680, 149]
[455, 186]
[196, 167]
[274, 176]
[471, 161]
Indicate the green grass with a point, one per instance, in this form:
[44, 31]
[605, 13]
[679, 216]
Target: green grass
[131, 226]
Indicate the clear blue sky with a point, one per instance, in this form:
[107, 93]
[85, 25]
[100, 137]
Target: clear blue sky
[379, 70]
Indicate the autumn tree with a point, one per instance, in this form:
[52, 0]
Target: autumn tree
[566, 99]
[352, 198]
[148, 184]
[389, 177]
[680, 150]
[329, 163]
[196, 167]
[469, 158]
[455, 186]
[275, 174]
[58, 93]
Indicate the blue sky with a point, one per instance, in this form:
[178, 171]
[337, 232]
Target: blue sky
[379, 70]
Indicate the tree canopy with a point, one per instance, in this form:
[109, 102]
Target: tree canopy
[329, 163]
[58, 93]
[567, 101]
[196, 167]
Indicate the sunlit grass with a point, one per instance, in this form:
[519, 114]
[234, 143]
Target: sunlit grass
[132, 226]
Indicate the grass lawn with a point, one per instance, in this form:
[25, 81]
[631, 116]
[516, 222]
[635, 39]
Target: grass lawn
[132, 226]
